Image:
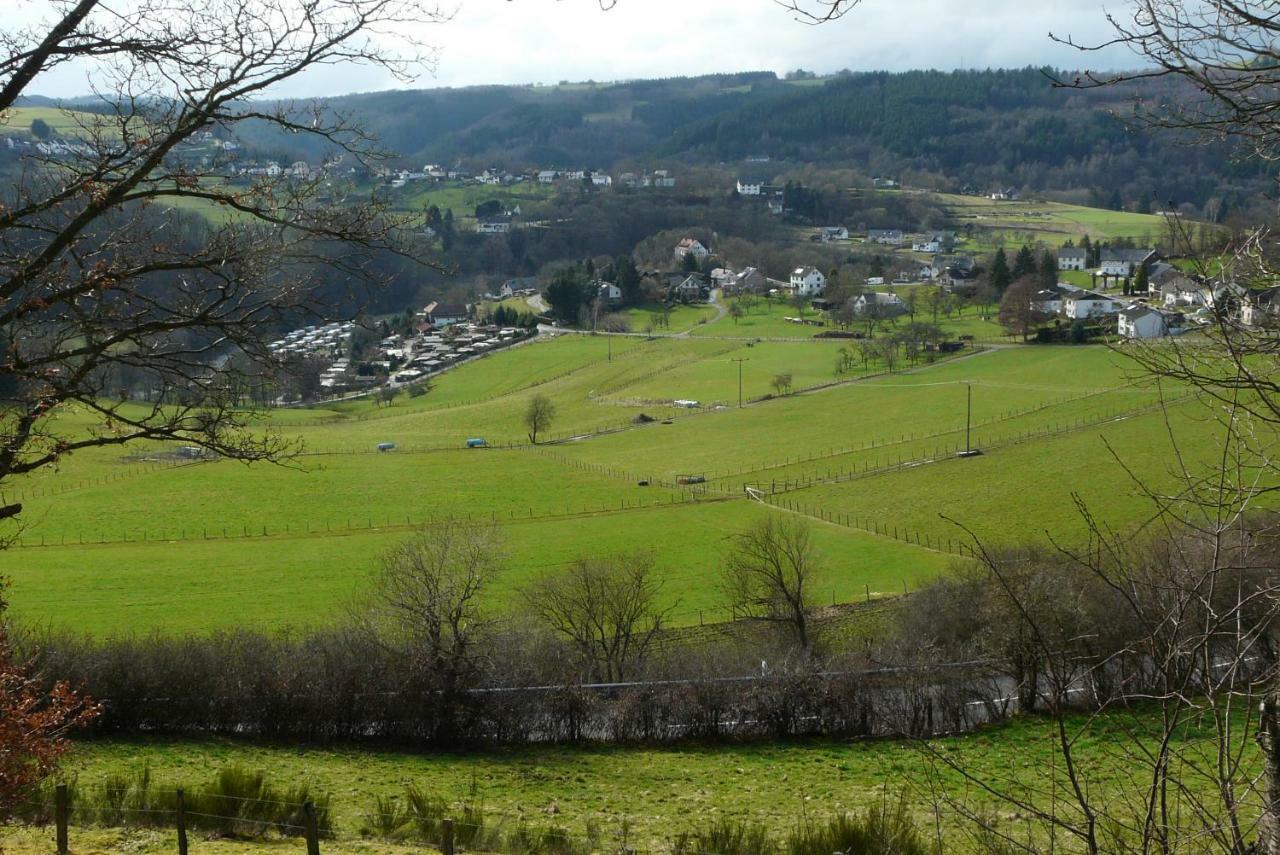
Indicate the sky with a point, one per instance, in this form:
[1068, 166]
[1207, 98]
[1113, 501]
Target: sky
[546, 41]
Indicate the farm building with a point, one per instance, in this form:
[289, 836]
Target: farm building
[1072, 258]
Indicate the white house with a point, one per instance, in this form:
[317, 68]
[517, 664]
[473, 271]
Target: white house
[574, 174]
[830, 233]
[493, 227]
[1124, 262]
[1048, 301]
[609, 292]
[807, 282]
[689, 246]
[1088, 304]
[547, 176]
[930, 245]
[663, 178]
[1141, 322]
[601, 179]
[749, 188]
[1072, 258]
[884, 304]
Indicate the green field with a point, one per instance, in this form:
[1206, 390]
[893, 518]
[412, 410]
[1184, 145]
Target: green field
[118, 542]
[654, 793]
[1013, 223]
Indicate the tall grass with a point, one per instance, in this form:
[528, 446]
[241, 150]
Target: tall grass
[886, 829]
[419, 817]
[237, 803]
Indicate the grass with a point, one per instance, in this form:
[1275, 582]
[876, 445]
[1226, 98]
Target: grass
[133, 545]
[1050, 223]
[683, 318]
[655, 794]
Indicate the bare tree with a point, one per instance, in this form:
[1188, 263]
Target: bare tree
[781, 383]
[425, 603]
[607, 609]
[538, 416]
[1019, 313]
[99, 273]
[768, 572]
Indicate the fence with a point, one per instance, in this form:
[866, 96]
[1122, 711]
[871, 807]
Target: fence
[371, 524]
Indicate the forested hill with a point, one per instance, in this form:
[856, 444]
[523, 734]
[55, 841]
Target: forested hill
[982, 128]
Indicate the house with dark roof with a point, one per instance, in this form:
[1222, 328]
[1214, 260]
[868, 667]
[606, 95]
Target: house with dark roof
[1072, 258]
[1124, 262]
[1143, 322]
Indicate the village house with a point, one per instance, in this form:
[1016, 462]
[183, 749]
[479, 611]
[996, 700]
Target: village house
[749, 280]
[1079, 305]
[830, 233]
[1124, 262]
[601, 179]
[493, 227]
[1261, 308]
[883, 304]
[1143, 322]
[608, 292]
[1073, 258]
[663, 178]
[689, 246]
[887, 237]
[693, 289]
[749, 187]
[547, 176]
[807, 282]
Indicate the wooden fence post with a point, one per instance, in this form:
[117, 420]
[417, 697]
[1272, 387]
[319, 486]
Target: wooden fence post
[312, 833]
[182, 824]
[446, 836]
[60, 811]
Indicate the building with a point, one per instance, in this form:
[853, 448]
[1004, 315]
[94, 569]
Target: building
[547, 176]
[749, 280]
[601, 179]
[1141, 322]
[608, 292]
[830, 233]
[887, 237]
[693, 289]
[1073, 258]
[750, 187]
[807, 282]
[493, 227]
[1124, 262]
[929, 245]
[1261, 307]
[881, 304]
[1079, 305]
[689, 246]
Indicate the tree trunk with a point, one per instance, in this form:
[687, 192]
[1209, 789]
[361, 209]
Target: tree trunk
[1269, 740]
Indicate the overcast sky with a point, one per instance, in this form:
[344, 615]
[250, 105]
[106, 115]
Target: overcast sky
[545, 41]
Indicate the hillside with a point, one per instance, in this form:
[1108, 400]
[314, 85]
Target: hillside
[946, 130]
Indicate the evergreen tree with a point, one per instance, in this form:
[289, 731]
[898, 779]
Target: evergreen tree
[999, 275]
[628, 280]
[1090, 253]
[1024, 263]
[1141, 281]
[1048, 270]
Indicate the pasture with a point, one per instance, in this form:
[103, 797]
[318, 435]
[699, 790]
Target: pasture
[128, 541]
[648, 795]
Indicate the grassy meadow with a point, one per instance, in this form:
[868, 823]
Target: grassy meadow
[647, 796]
[115, 541]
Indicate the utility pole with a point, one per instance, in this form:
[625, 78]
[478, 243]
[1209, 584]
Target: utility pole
[739, 360]
[609, 339]
[968, 416]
